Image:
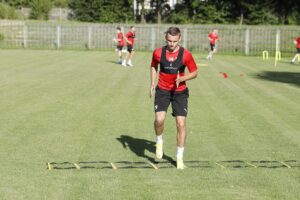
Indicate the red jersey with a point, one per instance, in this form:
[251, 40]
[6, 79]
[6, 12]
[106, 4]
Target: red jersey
[120, 39]
[213, 38]
[130, 36]
[297, 42]
[167, 78]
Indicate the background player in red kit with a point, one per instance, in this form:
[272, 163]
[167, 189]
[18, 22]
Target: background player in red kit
[297, 43]
[213, 38]
[130, 38]
[120, 41]
[171, 89]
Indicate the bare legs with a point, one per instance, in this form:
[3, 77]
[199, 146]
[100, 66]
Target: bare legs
[128, 58]
[181, 136]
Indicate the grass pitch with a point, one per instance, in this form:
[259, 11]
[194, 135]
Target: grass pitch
[66, 107]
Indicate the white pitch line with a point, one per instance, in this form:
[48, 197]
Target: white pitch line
[49, 166]
[286, 165]
[251, 164]
[76, 165]
[198, 64]
[223, 167]
[154, 166]
[113, 166]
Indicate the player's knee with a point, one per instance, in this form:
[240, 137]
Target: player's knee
[180, 124]
[159, 122]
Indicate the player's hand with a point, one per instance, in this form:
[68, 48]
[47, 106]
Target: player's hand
[151, 91]
[178, 80]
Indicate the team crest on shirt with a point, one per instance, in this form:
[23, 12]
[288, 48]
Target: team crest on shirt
[155, 107]
[171, 59]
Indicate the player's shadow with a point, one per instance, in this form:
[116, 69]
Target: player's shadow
[140, 146]
[283, 77]
[113, 61]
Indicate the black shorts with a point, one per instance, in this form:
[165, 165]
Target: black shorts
[119, 47]
[179, 101]
[212, 47]
[130, 48]
[298, 50]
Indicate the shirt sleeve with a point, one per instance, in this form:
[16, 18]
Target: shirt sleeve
[155, 59]
[189, 61]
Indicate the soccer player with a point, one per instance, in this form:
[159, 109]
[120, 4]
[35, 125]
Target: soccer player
[171, 89]
[130, 38]
[120, 41]
[297, 43]
[213, 38]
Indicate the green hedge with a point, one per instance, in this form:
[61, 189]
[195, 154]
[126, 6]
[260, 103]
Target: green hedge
[7, 12]
[1, 37]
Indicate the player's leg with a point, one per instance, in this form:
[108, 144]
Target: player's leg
[159, 129]
[130, 57]
[181, 131]
[180, 108]
[124, 62]
[119, 56]
[181, 139]
[296, 55]
[161, 104]
[215, 48]
[210, 52]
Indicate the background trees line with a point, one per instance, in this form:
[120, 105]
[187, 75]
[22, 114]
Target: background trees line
[185, 12]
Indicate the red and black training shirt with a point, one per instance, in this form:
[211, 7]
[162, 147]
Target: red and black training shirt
[120, 39]
[170, 64]
[213, 38]
[130, 36]
[298, 42]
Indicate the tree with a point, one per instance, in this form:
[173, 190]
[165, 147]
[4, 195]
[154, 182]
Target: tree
[1, 37]
[161, 8]
[142, 15]
[40, 9]
[7, 12]
[285, 9]
[60, 3]
[252, 12]
[203, 12]
[18, 3]
[108, 11]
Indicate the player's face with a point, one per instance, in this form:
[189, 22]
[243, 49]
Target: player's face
[172, 41]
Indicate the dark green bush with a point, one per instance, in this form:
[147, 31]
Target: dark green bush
[7, 12]
[1, 37]
[40, 9]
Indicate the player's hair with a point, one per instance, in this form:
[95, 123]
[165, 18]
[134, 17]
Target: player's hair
[118, 28]
[132, 27]
[173, 31]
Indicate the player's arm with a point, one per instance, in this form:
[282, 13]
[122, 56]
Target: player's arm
[192, 67]
[127, 40]
[153, 74]
[209, 37]
[189, 76]
[295, 41]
